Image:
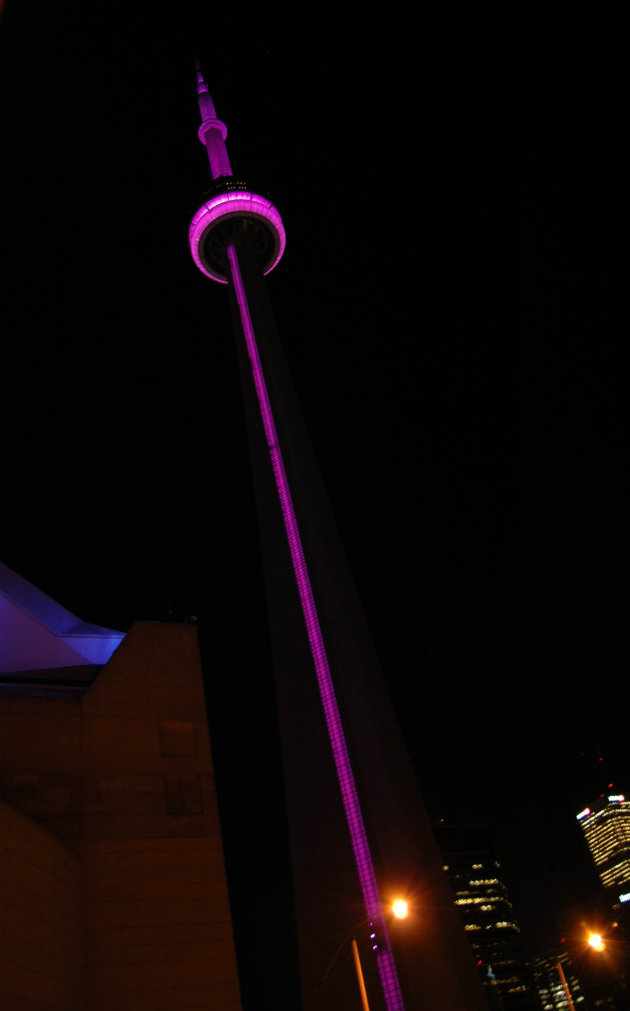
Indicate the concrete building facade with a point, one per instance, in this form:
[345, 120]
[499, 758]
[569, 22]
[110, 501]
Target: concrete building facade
[113, 888]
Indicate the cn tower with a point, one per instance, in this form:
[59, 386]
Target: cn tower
[359, 834]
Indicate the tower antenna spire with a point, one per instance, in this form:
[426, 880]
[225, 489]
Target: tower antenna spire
[212, 132]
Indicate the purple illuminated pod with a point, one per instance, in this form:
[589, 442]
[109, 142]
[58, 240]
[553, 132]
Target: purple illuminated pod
[359, 833]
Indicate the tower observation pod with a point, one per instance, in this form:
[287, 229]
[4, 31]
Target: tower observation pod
[231, 207]
[359, 831]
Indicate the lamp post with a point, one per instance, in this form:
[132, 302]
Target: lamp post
[359, 972]
[398, 909]
[565, 985]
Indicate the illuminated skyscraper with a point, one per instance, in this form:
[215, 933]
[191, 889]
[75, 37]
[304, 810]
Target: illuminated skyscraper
[483, 901]
[556, 983]
[359, 832]
[606, 826]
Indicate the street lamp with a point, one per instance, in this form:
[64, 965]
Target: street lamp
[596, 942]
[399, 909]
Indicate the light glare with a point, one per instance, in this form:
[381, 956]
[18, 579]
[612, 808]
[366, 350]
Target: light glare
[596, 942]
[400, 909]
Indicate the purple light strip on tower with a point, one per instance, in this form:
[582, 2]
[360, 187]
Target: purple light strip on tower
[363, 859]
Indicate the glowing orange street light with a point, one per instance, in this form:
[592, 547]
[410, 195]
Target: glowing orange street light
[400, 909]
[596, 942]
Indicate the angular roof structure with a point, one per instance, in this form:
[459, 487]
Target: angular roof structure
[37, 633]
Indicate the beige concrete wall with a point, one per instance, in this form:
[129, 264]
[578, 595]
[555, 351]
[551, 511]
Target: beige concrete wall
[157, 909]
[41, 928]
[40, 763]
[125, 778]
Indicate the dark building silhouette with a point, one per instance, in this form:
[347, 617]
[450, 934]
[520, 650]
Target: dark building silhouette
[483, 901]
[113, 890]
[359, 832]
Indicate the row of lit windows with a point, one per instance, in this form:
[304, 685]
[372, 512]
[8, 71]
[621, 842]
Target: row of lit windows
[489, 926]
[606, 849]
[504, 982]
[607, 843]
[475, 867]
[608, 836]
[611, 861]
[610, 822]
[474, 900]
[463, 896]
[610, 827]
[618, 874]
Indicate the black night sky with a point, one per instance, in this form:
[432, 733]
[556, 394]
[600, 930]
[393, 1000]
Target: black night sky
[478, 474]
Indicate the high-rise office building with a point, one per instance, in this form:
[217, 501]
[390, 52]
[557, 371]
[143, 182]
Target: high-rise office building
[556, 984]
[606, 826]
[483, 901]
[359, 831]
